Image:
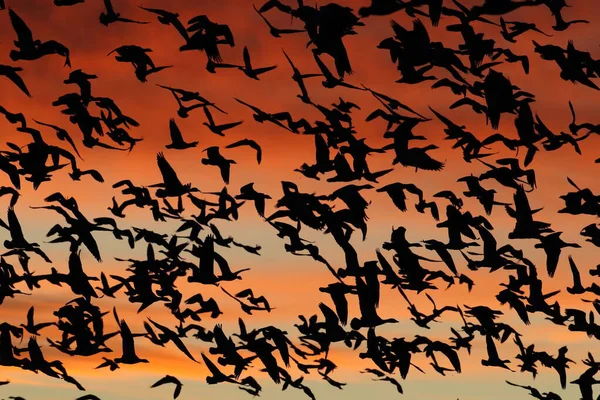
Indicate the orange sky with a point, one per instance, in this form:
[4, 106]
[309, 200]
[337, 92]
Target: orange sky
[290, 283]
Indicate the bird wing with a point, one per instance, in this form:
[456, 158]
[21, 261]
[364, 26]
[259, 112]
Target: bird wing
[17, 80]
[258, 149]
[209, 116]
[255, 109]
[397, 196]
[250, 143]
[15, 227]
[243, 142]
[247, 61]
[575, 271]
[420, 30]
[168, 173]
[552, 254]
[384, 264]
[296, 70]
[447, 194]
[225, 127]
[445, 120]
[412, 188]
[175, 132]
[447, 258]
[228, 35]
[434, 210]
[222, 263]
[211, 367]
[109, 7]
[491, 348]
[158, 11]
[259, 71]
[326, 73]
[366, 302]
[322, 150]
[75, 264]
[330, 316]
[91, 396]
[398, 29]
[263, 17]
[24, 35]
[452, 357]
[245, 293]
[275, 4]
[30, 315]
[166, 379]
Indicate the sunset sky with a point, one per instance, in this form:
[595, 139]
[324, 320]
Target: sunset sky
[289, 282]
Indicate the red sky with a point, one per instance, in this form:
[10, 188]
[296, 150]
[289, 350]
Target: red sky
[290, 283]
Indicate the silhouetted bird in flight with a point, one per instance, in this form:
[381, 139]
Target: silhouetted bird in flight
[169, 18]
[30, 49]
[171, 185]
[250, 143]
[177, 141]
[249, 70]
[217, 129]
[109, 16]
[169, 379]
[215, 158]
[277, 32]
[201, 237]
[139, 58]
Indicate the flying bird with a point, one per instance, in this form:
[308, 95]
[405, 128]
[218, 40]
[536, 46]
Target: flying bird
[169, 379]
[177, 141]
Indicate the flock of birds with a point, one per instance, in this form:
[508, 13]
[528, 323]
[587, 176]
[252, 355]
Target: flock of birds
[193, 255]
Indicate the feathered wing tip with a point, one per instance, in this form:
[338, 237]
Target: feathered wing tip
[431, 164]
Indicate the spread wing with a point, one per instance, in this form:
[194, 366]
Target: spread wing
[175, 132]
[209, 116]
[326, 73]
[109, 7]
[247, 61]
[15, 227]
[24, 34]
[168, 173]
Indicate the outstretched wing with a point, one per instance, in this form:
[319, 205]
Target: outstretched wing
[291, 63]
[445, 120]
[175, 132]
[168, 173]
[109, 7]
[24, 35]
[15, 227]
[209, 116]
[326, 72]
[247, 61]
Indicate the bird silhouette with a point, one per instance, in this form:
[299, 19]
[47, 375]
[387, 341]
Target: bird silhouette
[172, 380]
[29, 48]
[177, 141]
[109, 16]
[215, 158]
[250, 71]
